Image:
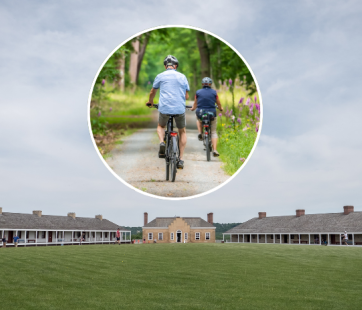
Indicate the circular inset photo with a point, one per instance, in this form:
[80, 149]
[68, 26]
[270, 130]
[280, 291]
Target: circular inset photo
[175, 112]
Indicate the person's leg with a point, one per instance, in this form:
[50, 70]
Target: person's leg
[182, 141]
[161, 132]
[214, 137]
[199, 125]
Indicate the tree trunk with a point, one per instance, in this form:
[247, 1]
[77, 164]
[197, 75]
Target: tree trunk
[204, 54]
[134, 62]
[141, 53]
[121, 70]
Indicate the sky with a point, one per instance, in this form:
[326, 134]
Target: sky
[306, 57]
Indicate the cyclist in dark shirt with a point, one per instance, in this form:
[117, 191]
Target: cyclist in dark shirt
[205, 100]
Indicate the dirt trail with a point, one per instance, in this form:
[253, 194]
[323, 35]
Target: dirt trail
[136, 162]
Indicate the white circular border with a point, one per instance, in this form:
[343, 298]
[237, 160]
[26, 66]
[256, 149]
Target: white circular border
[176, 198]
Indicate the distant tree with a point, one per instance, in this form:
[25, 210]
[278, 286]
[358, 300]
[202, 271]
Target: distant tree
[204, 53]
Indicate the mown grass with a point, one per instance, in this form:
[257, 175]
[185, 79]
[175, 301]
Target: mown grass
[181, 276]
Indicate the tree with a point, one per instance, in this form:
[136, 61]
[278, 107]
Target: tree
[204, 53]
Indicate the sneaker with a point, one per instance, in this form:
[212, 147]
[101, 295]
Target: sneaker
[180, 164]
[200, 136]
[161, 152]
[215, 153]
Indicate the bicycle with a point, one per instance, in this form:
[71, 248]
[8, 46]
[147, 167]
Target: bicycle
[206, 117]
[172, 151]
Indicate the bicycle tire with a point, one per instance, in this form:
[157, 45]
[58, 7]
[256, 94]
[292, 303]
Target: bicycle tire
[167, 171]
[173, 168]
[207, 147]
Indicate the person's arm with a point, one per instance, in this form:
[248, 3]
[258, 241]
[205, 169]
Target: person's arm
[218, 103]
[187, 94]
[195, 104]
[152, 95]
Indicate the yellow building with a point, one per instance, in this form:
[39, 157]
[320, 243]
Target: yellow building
[179, 229]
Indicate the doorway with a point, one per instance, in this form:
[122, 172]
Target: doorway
[10, 236]
[50, 236]
[178, 236]
[285, 239]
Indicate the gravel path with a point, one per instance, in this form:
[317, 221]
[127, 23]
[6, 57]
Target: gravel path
[136, 162]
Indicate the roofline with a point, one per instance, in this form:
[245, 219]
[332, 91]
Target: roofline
[47, 229]
[213, 227]
[284, 233]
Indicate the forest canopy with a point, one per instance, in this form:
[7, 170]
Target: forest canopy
[137, 62]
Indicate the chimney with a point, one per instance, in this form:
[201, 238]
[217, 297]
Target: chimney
[299, 212]
[37, 212]
[99, 216]
[145, 219]
[262, 215]
[348, 209]
[210, 218]
[72, 214]
[1, 210]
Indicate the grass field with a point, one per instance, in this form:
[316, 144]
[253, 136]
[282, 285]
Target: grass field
[181, 276]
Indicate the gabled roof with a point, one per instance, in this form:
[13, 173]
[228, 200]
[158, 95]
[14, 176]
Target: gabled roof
[309, 223]
[53, 222]
[166, 221]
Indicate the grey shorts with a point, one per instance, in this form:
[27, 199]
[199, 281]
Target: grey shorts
[180, 120]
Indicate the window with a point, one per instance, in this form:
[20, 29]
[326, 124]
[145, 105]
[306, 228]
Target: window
[105, 235]
[171, 236]
[186, 235]
[43, 234]
[160, 236]
[278, 236]
[78, 234]
[271, 237]
[150, 236]
[27, 235]
[291, 236]
[259, 237]
[253, 236]
[197, 236]
[207, 236]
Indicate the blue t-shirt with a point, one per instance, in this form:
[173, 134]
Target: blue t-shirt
[206, 99]
[16, 239]
[173, 86]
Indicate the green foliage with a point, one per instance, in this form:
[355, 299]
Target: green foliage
[221, 228]
[181, 276]
[99, 125]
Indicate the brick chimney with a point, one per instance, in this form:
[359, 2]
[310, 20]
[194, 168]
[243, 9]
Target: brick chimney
[72, 214]
[37, 212]
[1, 210]
[210, 218]
[99, 216]
[348, 209]
[299, 212]
[262, 215]
[145, 219]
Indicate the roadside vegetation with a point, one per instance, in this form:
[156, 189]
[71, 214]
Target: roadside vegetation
[181, 276]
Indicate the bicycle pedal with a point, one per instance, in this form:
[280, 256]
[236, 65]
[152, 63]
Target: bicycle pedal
[161, 156]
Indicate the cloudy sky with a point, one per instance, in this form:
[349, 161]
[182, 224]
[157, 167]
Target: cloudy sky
[305, 55]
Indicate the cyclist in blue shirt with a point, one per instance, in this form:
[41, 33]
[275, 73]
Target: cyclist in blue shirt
[205, 100]
[174, 91]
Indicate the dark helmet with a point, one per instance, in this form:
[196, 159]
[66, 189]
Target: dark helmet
[206, 81]
[170, 61]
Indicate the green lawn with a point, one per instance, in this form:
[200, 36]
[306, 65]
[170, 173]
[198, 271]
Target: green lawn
[181, 276]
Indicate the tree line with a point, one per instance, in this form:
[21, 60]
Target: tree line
[137, 62]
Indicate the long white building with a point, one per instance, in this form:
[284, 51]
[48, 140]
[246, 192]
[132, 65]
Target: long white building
[300, 228]
[38, 229]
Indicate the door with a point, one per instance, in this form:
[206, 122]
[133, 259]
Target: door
[10, 236]
[333, 239]
[178, 237]
[50, 236]
[285, 239]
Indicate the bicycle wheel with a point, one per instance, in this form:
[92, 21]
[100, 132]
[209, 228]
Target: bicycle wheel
[207, 143]
[173, 168]
[167, 171]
